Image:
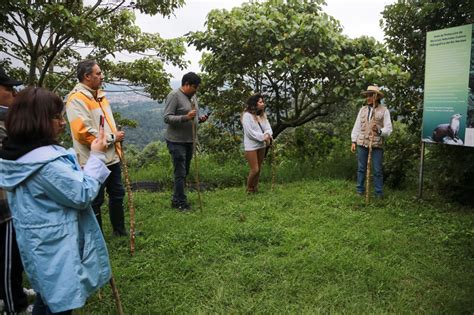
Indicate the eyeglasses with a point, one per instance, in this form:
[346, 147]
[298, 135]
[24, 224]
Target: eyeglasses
[60, 116]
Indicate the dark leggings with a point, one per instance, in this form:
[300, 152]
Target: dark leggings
[11, 268]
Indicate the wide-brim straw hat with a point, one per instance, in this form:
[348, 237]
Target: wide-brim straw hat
[373, 89]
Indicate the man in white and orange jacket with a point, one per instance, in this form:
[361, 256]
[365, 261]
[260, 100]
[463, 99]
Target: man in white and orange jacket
[85, 104]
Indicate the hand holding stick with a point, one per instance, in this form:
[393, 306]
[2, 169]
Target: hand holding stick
[100, 145]
[196, 163]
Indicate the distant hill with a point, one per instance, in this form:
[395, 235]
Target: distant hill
[149, 115]
[132, 104]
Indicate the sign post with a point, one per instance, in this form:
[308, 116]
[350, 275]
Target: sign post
[448, 109]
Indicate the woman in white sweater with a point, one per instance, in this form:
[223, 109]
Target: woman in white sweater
[257, 136]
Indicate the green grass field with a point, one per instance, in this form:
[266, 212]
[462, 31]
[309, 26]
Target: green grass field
[306, 247]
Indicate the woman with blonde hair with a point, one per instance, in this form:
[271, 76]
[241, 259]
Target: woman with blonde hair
[257, 136]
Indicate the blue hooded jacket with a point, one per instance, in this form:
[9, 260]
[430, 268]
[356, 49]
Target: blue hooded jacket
[60, 242]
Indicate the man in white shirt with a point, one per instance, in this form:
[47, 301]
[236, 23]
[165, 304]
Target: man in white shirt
[372, 126]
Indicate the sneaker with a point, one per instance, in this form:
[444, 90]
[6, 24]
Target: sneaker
[29, 292]
[28, 310]
[360, 193]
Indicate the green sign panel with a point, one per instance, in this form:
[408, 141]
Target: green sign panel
[448, 112]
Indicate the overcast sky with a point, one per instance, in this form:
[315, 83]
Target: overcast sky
[358, 17]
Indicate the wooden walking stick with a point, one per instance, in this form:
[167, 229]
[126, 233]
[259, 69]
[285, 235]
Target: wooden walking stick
[367, 175]
[121, 154]
[273, 163]
[196, 163]
[118, 303]
[268, 148]
[131, 206]
[369, 156]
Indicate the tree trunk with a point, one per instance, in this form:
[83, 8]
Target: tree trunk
[32, 71]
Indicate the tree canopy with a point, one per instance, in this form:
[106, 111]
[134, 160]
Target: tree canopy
[291, 52]
[405, 24]
[44, 40]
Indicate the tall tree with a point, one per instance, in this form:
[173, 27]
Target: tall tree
[294, 54]
[405, 24]
[43, 40]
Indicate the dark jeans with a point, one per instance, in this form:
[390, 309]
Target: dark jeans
[181, 154]
[11, 268]
[40, 308]
[377, 170]
[116, 193]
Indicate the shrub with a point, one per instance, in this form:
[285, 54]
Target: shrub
[153, 153]
[449, 170]
[219, 141]
[401, 152]
[307, 144]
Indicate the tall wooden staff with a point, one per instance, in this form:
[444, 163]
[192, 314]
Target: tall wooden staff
[118, 303]
[131, 206]
[273, 163]
[115, 292]
[369, 157]
[196, 163]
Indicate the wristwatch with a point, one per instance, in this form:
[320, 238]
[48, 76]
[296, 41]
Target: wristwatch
[112, 139]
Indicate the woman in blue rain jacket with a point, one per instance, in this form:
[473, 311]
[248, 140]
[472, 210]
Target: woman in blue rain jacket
[60, 242]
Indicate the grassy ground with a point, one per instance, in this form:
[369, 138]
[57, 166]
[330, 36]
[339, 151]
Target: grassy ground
[306, 247]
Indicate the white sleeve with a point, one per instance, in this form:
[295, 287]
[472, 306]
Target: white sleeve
[251, 128]
[387, 124]
[356, 129]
